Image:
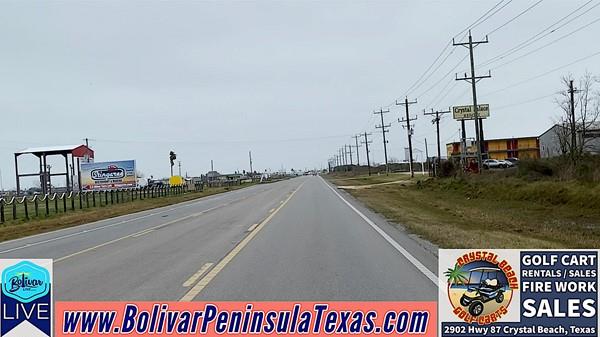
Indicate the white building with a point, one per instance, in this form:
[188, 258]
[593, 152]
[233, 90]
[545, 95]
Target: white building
[550, 140]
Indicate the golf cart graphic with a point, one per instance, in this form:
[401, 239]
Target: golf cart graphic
[483, 286]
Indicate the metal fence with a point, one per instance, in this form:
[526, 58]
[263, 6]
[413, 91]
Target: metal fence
[25, 208]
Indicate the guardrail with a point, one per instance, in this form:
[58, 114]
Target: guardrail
[25, 208]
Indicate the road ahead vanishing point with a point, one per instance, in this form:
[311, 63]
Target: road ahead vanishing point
[299, 239]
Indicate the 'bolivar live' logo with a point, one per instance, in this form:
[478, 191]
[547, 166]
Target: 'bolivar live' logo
[26, 298]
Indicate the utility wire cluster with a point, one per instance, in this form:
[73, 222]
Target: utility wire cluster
[427, 82]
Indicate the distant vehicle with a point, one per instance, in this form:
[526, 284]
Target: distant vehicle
[507, 163]
[493, 163]
[155, 183]
[514, 161]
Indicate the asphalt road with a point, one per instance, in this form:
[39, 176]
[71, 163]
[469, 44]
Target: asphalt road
[298, 239]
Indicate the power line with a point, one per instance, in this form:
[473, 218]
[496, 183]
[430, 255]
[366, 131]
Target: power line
[524, 102]
[442, 91]
[431, 74]
[514, 18]
[430, 66]
[444, 76]
[496, 11]
[543, 74]
[548, 44]
[481, 19]
[436, 103]
[539, 35]
[476, 21]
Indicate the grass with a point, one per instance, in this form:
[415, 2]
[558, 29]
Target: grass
[490, 211]
[360, 180]
[14, 229]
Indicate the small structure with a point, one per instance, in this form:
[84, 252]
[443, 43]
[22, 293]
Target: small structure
[81, 152]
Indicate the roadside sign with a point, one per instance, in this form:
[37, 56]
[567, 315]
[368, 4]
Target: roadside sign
[465, 112]
[108, 175]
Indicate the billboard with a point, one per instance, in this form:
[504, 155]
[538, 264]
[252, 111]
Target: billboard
[464, 112]
[108, 175]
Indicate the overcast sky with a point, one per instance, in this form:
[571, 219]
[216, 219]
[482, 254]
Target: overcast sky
[290, 80]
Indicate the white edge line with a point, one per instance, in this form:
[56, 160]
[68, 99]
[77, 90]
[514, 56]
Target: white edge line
[431, 276]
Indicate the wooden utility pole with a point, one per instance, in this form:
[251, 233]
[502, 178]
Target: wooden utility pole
[427, 156]
[572, 92]
[473, 79]
[357, 156]
[436, 121]
[367, 142]
[350, 153]
[409, 131]
[250, 155]
[384, 129]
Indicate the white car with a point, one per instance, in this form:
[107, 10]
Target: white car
[493, 163]
[507, 163]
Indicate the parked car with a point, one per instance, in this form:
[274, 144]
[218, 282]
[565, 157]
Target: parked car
[507, 163]
[514, 161]
[493, 163]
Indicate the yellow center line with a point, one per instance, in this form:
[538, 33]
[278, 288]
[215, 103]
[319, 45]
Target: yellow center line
[190, 295]
[197, 275]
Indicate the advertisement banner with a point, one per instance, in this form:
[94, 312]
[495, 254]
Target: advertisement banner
[108, 175]
[245, 318]
[519, 293]
[26, 298]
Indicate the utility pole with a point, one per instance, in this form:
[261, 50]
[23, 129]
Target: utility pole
[427, 155]
[473, 79]
[179, 164]
[384, 129]
[350, 152]
[357, 156]
[409, 130]
[572, 92]
[436, 121]
[463, 144]
[367, 142]
[250, 155]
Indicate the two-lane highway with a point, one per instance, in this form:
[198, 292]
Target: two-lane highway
[298, 239]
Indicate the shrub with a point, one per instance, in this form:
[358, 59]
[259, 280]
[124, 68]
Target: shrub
[529, 167]
[447, 169]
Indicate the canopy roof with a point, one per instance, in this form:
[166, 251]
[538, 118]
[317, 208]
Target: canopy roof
[76, 150]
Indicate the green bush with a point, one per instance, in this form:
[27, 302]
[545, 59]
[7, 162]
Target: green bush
[536, 167]
[447, 169]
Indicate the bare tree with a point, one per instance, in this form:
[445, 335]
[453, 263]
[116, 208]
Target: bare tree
[579, 117]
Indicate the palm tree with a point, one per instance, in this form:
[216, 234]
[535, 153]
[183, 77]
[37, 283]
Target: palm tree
[456, 275]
